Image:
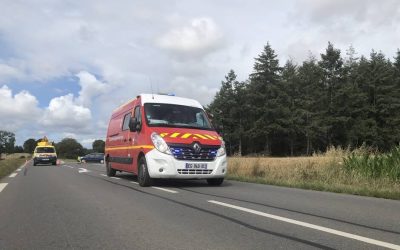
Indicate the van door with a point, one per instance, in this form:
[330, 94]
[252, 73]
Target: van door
[115, 141]
[136, 139]
[125, 158]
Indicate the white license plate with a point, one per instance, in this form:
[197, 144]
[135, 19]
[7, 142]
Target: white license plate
[45, 159]
[196, 165]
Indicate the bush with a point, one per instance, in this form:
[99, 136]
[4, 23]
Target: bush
[373, 165]
[69, 148]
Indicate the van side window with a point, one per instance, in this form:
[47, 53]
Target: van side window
[137, 114]
[125, 124]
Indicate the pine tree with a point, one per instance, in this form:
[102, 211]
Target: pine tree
[384, 100]
[221, 109]
[240, 113]
[365, 128]
[292, 110]
[332, 65]
[311, 103]
[264, 94]
[396, 95]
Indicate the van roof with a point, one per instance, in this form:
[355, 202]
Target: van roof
[150, 98]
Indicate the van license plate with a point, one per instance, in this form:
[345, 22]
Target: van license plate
[196, 166]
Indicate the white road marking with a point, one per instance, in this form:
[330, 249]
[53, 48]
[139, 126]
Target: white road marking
[117, 178]
[83, 170]
[309, 225]
[69, 166]
[134, 182]
[13, 175]
[18, 170]
[2, 186]
[166, 190]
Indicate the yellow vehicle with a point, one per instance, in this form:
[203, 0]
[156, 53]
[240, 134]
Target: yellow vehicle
[44, 152]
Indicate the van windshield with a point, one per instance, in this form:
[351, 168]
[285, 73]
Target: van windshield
[45, 150]
[171, 115]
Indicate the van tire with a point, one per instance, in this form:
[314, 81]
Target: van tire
[144, 178]
[110, 171]
[215, 181]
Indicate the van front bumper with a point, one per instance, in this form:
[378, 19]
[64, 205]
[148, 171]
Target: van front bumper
[162, 165]
[50, 159]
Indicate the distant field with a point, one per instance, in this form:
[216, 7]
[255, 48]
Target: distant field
[321, 172]
[8, 165]
[17, 155]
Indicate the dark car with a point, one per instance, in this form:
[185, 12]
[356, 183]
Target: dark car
[93, 157]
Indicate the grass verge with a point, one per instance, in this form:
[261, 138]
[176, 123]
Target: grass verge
[326, 172]
[8, 165]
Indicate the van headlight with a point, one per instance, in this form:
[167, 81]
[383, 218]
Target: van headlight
[159, 143]
[221, 151]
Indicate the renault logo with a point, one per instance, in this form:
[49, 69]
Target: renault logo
[196, 148]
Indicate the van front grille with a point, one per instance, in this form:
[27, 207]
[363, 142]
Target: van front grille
[194, 171]
[186, 152]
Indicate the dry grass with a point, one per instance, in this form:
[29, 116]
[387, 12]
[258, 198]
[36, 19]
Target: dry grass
[8, 165]
[319, 172]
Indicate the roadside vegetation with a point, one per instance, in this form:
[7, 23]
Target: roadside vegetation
[12, 162]
[296, 108]
[362, 171]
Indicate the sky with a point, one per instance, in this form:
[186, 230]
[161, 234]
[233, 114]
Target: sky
[65, 65]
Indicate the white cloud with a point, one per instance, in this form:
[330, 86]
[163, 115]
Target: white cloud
[64, 114]
[90, 88]
[69, 135]
[8, 72]
[17, 110]
[182, 86]
[344, 12]
[200, 37]
[365, 24]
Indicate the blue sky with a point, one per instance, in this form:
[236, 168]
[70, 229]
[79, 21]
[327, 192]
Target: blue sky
[45, 91]
[65, 65]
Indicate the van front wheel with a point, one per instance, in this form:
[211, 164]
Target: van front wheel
[215, 181]
[144, 178]
[110, 171]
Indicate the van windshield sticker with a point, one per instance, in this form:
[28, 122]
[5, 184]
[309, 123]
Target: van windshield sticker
[188, 135]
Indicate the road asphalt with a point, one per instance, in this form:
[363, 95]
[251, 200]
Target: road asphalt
[75, 206]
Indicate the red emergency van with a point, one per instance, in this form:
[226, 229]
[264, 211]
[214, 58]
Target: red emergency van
[162, 136]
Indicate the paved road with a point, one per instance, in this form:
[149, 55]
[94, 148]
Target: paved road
[74, 206]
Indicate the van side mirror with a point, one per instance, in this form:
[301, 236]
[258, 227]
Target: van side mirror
[134, 125]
